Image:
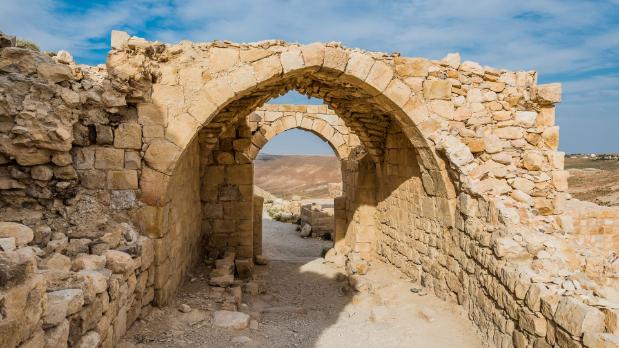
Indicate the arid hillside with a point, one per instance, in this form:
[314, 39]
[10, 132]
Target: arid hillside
[306, 176]
[594, 180]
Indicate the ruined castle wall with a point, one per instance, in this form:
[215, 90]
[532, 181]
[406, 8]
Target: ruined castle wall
[75, 269]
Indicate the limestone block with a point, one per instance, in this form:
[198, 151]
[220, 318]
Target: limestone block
[379, 76]
[8, 183]
[577, 318]
[359, 65]
[526, 118]
[398, 92]
[92, 179]
[88, 262]
[551, 137]
[55, 72]
[267, 68]
[84, 157]
[291, 59]
[118, 261]
[122, 179]
[533, 161]
[109, 158]
[133, 160]
[415, 67]
[181, 129]
[509, 133]
[472, 67]
[150, 114]
[546, 117]
[222, 58]
[549, 93]
[62, 303]
[242, 78]
[96, 280]
[559, 179]
[437, 89]
[218, 91]
[162, 155]
[153, 185]
[128, 136]
[313, 54]
[335, 58]
[22, 233]
[118, 39]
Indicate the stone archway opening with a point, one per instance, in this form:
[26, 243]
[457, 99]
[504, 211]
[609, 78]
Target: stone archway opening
[381, 164]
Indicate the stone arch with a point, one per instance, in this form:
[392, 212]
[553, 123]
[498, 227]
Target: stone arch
[185, 106]
[273, 119]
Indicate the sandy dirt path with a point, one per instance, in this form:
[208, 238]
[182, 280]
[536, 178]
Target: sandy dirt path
[307, 304]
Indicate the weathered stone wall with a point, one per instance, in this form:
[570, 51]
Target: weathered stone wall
[75, 270]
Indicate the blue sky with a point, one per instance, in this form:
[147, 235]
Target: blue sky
[575, 42]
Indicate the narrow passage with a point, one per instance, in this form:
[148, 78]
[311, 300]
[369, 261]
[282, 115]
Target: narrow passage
[306, 302]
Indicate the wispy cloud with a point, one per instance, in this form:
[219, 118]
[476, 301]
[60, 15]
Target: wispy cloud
[573, 41]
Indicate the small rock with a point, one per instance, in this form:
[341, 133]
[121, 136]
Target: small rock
[261, 260]
[306, 230]
[184, 308]
[231, 320]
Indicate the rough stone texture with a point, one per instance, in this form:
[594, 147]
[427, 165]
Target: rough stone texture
[450, 174]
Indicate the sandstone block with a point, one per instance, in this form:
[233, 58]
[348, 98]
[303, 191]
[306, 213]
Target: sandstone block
[577, 318]
[161, 155]
[109, 158]
[88, 262]
[437, 89]
[118, 261]
[533, 161]
[416, 67]
[22, 233]
[549, 93]
[55, 72]
[128, 136]
[509, 133]
[122, 179]
[62, 303]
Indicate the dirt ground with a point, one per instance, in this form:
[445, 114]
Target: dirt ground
[594, 180]
[306, 302]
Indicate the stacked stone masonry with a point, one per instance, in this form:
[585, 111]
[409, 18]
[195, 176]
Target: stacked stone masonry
[115, 180]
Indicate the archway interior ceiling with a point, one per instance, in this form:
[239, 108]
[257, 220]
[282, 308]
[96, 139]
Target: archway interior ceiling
[356, 108]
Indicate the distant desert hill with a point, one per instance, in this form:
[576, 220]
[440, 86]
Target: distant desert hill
[594, 180]
[288, 175]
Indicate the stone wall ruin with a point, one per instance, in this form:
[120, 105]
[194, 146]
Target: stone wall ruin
[112, 179]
